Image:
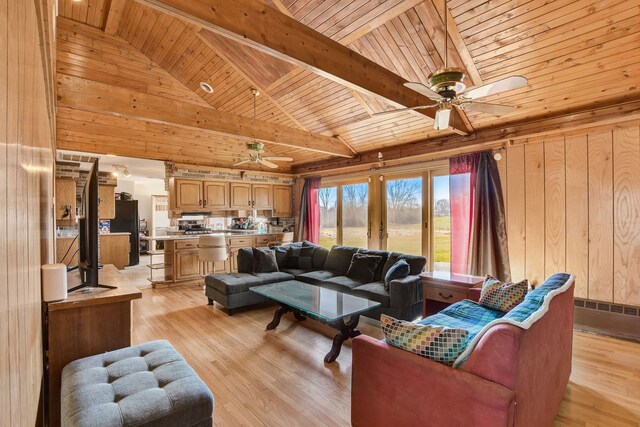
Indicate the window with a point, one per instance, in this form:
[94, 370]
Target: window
[404, 215]
[355, 207]
[328, 198]
[441, 224]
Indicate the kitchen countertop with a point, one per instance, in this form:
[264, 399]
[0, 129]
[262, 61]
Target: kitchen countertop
[116, 234]
[230, 233]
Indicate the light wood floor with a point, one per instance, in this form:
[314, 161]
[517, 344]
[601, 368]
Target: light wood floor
[278, 378]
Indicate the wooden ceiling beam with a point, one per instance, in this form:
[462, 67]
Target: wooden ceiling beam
[114, 16]
[87, 95]
[611, 114]
[264, 28]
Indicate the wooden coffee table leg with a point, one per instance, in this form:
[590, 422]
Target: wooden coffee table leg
[277, 316]
[347, 330]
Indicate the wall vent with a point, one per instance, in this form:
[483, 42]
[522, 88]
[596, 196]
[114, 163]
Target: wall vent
[616, 320]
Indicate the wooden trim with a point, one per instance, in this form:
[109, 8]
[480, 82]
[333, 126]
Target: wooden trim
[92, 96]
[262, 27]
[114, 16]
[205, 36]
[613, 113]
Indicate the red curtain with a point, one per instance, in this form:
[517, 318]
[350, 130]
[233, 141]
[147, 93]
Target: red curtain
[462, 180]
[309, 220]
[478, 224]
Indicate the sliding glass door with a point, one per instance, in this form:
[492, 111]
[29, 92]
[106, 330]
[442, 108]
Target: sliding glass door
[441, 223]
[355, 208]
[403, 204]
[344, 215]
[328, 199]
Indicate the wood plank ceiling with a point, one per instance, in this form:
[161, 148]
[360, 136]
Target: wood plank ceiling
[575, 53]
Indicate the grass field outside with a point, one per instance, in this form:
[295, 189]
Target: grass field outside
[406, 238]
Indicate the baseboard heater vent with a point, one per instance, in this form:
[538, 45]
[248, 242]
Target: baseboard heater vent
[615, 320]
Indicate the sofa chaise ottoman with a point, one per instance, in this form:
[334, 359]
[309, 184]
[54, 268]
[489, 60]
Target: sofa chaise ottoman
[328, 269]
[145, 385]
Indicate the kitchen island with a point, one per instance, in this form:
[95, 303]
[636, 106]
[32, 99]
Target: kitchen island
[179, 263]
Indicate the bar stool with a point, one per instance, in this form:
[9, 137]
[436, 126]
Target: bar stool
[212, 249]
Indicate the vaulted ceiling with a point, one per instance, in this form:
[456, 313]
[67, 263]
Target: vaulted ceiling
[576, 54]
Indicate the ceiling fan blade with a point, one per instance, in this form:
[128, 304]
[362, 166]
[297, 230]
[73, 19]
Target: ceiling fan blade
[419, 107]
[509, 83]
[278, 159]
[483, 107]
[267, 163]
[424, 90]
[242, 162]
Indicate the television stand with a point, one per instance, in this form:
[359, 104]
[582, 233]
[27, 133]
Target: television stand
[89, 285]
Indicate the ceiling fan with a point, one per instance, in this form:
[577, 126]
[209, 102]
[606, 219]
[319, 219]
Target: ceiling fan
[256, 148]
[446, 87]
[255, 156]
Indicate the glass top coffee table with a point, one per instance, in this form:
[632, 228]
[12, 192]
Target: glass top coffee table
[324, 305]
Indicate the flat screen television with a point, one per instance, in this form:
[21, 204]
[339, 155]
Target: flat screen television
[88, 232]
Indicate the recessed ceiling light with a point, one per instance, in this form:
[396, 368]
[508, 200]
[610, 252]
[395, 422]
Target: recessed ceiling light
[206, 87]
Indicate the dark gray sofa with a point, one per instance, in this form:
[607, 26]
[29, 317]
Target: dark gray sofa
[328, 269]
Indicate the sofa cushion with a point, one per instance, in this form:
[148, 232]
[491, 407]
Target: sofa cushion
[315, 277]
[382, 254]
[439, 343]
[264, 260]
[233, 283]
[416, 263]
[295, 272]
[374, 291]
[305, 260]
[245, 260]
[319, 254]
[363, 267]
[148, 384]
[273, 277]
[465, 314]
[341, 284]
[282, 256]
[502, 296]
[399, 270]
[339, 259]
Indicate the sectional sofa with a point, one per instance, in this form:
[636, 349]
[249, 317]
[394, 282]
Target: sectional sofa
[325, 268]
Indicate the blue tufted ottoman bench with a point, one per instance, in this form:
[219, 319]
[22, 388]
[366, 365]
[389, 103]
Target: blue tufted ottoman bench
[146, 385]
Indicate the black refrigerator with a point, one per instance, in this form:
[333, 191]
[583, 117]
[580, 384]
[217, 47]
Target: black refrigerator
[127, 221]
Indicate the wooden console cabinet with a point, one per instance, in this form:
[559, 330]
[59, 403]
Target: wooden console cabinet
[86, 323]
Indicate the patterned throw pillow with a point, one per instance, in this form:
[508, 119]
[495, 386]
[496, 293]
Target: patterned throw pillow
[437, 343]
[502, 296]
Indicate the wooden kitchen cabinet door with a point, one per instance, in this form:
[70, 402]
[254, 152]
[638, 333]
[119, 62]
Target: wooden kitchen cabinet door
[216, 195]
[187, 265]
[282, 201]
[65, 200]
[188, 194]
[261, 196]
[107, 202]
[240, 196]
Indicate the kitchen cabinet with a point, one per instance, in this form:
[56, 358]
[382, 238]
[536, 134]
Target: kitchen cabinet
[251, 196]
[67, 251]
[114, 249]
[107, 202]
[186, 264]
[282, 201]
[65, 200]
[240, 196]
[261, 195]
[187, 194]
[216, 195]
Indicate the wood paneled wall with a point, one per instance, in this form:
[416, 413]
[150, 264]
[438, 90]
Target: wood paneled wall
[26, 216]
[573, 205]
